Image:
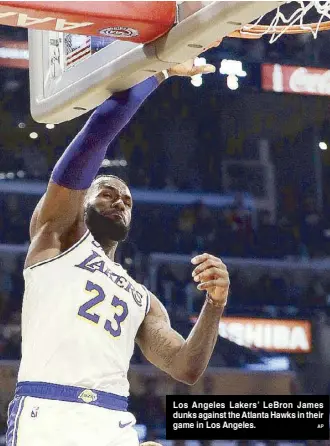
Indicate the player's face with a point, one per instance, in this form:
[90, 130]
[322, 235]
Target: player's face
[109, 209]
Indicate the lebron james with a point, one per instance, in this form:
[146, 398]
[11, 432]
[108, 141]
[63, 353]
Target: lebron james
[82, 313]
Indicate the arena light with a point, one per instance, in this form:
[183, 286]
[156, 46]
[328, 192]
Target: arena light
[33, 135]
[13, 53]
[229, 66]
[232, 82]
[50, 126]
[106, 163]
[114, 163]
[234, 70]
[20, 174]
[197, 80]
[323, 145]
[21, 125]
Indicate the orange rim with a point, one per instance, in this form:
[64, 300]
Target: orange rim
[257, 31]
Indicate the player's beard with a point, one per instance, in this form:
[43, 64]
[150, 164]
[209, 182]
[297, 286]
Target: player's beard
[104, 229]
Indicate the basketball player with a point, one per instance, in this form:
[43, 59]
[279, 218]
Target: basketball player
[82, 312]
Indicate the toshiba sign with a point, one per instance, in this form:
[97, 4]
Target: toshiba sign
[268, 334]
[299, 80]
[276, 335]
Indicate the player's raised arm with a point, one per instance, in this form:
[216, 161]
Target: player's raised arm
[186, 360]
[58, 221]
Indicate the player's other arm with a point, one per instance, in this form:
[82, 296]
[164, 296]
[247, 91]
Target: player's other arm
[186, 360]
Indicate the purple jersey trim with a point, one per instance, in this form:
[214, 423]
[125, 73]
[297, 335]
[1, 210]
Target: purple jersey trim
[72, 394]
[44, 262]
[14, 412]
[148, 300]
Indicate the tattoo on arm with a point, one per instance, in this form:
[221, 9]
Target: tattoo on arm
[198, 348]
[160, 345]
[185, 360]
[157, 340]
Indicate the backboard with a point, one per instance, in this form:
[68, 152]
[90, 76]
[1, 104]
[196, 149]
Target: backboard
[72, 74]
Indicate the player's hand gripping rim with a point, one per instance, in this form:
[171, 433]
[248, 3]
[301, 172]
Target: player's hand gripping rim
[189, 69]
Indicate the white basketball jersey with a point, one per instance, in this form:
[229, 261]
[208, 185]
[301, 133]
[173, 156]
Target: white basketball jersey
[81, 313]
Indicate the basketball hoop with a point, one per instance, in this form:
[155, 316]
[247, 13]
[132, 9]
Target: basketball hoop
[293, 17]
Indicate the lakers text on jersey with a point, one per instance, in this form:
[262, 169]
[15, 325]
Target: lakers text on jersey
[81, 313]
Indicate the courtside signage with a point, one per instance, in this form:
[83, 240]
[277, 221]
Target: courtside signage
[274, 335]
[292, 79]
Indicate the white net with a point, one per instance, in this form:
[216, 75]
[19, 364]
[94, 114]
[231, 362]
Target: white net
[293, 22]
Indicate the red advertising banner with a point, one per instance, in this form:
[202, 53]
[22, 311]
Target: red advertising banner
[299, 80]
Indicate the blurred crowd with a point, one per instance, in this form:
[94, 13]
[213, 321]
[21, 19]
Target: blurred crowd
[230, 232]
[268, 294]
[233, 231]
[193, 133]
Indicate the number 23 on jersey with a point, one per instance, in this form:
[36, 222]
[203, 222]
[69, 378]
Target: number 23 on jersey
[121, 310]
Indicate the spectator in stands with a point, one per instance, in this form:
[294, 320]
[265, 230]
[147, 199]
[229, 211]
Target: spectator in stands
[293, 296]
[315, 294]
[12, 335]
[141, 179]
[6, 286]
[153, 412]
[185, 238]
[35, 163]
[17, 285]
[239, 291]
[267, 238]
[167, 285]
[204, 227]
[267, 289]
[312, 228]
[239, 218]
[16, 220]
[288, 240]
[170, 185]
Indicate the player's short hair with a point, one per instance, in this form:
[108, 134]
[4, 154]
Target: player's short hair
[109, 176]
